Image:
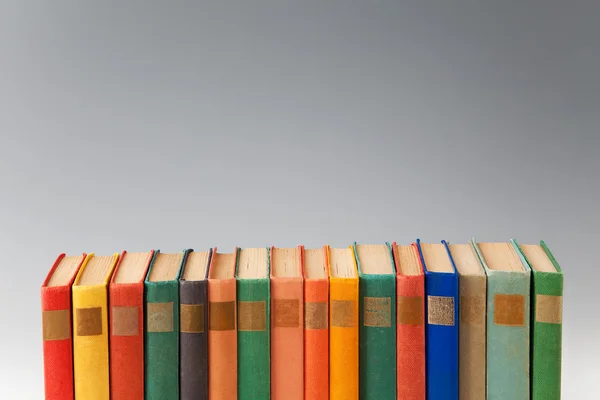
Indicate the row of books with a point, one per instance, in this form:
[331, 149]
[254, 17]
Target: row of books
[425, 320]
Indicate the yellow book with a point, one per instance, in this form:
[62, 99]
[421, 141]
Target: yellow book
[90, 327]
[343, 324]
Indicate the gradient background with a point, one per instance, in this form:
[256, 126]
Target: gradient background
[168, 126]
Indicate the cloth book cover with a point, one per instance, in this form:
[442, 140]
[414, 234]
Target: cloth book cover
[546, 321]
[508, 321]
[343, 323]
[162, 326]
[316, 324]
[90, 327]
[287, 324]
[410, 323]
[253, 304]
[193, 318]
[126, 343]
[57, 327]
[222, 327]
[377, 322]
[441, 327]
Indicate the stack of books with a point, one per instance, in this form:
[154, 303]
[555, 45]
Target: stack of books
[424, 320]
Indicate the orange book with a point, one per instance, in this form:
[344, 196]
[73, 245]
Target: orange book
[287, 324]
[222, 327]
[316, 325]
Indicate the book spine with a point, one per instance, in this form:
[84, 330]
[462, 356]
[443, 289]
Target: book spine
[410, 348]
[162, 340]
[57, 342]
[472, 337]
[316, 339]
[508, 335]
[90, 342]
[546, 338]
[343, 339]
[441, 333]
[126, 341]
[254, 369]
[193, 340]
[287, 339]
[377, 354]
[222, 340]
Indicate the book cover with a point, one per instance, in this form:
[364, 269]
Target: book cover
[410, 323]
[90, 327]
[441, 326]
[253, 304]
[57, 327]
[162, 326]
[377, 309]
[126, 316]
[193, 318]
[508, 321]
[316, 324]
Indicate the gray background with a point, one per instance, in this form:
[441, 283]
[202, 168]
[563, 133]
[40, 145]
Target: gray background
[168, 126]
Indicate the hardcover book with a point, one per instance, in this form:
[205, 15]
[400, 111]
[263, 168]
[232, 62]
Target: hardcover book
[193, 318]
[57, 327]
[441, 327]
[507, 321]
[253, 296]
[126, 342]
[90, 327]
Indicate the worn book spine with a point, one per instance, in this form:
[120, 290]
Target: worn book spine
[57, 337]
[316, 339]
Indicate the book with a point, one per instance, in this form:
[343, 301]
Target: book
[343, 324]
[410, 323]
[253, 304]
[287, 324]
[90, 327]
[441, 326]
[193, 320]
[57, 327]
[316, 324]
[546, 320]
[222, 327]
[508, 320]
[472, 283]
[162, 326]
[126, 316]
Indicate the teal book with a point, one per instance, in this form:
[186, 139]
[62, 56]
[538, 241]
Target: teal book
[546, 320]
[508, 320]
[377, 321]
[161, 339]
[253, 305]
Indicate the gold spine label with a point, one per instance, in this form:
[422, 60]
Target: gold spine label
[410, 310]
[377, 312]
[548, 309]
[221, 315]
[56, 325]
[509, 309]
[125, 321]
[191, 318]
[316, 315]
[252, 316]
[440, 310]
[89, 321]
[343, 314]
[159, 317]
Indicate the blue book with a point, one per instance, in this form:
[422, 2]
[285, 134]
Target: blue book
[441, 325]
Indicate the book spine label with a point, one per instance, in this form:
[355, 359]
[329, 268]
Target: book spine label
[546, 342]
[57, 342]
[193, 339]
[343, 339]
[90, 342]
[316, 339]
[254, 369]
[222, 340]
[410, 348]
[441, 331]
[287, 339]
[126, 341]
[162, 340]
[508, 323]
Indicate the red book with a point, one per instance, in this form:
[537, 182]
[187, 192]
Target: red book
[57, 327]
[126, 301]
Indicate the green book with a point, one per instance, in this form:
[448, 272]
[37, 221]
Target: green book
[546, 317]
[253, 305]
[161, 339]
[377, 321]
